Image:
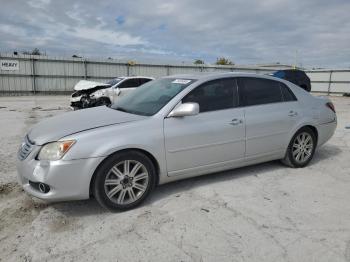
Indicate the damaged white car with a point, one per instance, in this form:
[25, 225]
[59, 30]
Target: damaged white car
[90, 94]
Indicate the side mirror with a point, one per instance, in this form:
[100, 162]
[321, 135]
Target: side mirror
[186, 109]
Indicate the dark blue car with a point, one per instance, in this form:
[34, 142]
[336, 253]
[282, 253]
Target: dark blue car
[295, 76]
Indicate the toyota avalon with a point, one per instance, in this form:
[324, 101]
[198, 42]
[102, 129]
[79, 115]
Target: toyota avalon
[172, 128]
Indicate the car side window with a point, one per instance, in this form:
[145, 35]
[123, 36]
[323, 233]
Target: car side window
[290, 74]
[301, 76]
[258, 91]
[279, 74]
[214, 95]
[134, 82]
[144, 80]
[287, 93]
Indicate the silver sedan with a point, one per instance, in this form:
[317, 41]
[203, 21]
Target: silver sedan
[169, 129]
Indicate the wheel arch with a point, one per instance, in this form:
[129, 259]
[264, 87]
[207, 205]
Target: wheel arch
[107, 98]
[312, 127]
[286, 160]
[146, 153]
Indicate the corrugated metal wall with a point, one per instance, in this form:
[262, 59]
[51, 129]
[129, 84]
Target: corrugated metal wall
[330, 81]
[49, 74]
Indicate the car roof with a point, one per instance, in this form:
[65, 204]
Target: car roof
[130, 77]
[215, 75]
[290, 70]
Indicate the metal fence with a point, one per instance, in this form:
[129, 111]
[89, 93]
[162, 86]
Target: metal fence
[41, 74]
[330, 81]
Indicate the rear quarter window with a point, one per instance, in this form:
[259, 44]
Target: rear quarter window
[287, 94]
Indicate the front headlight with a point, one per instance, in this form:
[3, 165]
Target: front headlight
[55, 150]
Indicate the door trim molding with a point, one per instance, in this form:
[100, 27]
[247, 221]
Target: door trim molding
[206, 145]
[266, 135]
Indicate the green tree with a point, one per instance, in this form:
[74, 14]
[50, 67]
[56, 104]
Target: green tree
[35, 51]
[223, 61]
[198, 62]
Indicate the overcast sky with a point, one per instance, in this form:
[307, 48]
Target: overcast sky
[247, 32]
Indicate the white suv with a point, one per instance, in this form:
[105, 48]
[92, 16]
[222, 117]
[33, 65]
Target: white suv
[90, 94]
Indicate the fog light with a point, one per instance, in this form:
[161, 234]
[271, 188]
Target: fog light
[42, 187]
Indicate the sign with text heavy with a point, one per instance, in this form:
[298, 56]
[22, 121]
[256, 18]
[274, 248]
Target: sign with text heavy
[9, 65]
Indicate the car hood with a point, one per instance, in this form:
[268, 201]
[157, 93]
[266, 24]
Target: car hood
[56, 127]
[85, 85]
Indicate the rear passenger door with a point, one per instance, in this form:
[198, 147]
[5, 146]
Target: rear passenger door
[271, 112]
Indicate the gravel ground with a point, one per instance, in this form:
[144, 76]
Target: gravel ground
[265, 212]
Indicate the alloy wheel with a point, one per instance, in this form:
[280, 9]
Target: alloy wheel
[302, 147]
[126, 182]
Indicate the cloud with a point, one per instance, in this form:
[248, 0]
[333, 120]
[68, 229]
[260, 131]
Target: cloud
[106, 36]
[39, 3]
[246, 32]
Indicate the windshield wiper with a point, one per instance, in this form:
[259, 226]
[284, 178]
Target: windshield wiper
[131, 111]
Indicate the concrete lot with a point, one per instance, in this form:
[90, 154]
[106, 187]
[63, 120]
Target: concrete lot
[266, 212]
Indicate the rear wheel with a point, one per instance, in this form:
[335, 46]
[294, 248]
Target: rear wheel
[124, 180]
[301, 148]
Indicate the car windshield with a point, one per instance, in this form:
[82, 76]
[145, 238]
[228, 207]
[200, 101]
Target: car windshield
[114, 81]
[149, 98]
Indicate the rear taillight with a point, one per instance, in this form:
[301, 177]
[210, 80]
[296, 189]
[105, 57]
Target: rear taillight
[330, 106]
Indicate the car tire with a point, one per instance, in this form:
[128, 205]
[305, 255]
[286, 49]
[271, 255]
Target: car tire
[103, 102]
[301, 148]
[124, 180]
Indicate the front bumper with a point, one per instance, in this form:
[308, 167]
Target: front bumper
[68, 179]
[75, 99]
[75, 102]
[76, 105]
[84, 102]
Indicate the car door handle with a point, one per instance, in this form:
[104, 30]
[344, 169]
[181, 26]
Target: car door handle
[236, 121]
[292, 113]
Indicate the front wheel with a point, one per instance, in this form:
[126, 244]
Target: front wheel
[103, 101]
[124, 180]
[301, 148]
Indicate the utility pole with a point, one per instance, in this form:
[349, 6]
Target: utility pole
[296, 59]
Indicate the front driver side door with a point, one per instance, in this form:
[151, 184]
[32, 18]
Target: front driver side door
[212, 140]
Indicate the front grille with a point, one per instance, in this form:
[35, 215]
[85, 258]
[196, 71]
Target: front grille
[76, 104]
[25, 149]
